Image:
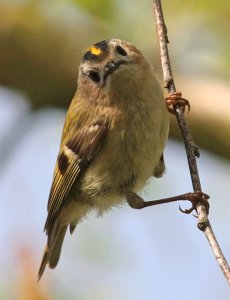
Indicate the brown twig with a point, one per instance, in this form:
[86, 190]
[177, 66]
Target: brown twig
[191, 149]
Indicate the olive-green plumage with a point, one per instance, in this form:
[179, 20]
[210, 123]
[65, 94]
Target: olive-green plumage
[112, 142]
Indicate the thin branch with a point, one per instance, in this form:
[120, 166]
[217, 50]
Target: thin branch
[190, 147]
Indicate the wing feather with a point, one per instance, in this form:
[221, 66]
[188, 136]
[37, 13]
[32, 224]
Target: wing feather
[74, 157]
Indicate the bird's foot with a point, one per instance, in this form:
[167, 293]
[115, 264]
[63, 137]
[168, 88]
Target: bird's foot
[176, 99]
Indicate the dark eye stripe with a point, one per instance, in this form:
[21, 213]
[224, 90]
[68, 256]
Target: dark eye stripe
[94, 76]
[121, 51]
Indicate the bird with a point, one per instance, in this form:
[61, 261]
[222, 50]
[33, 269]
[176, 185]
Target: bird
[112, 143]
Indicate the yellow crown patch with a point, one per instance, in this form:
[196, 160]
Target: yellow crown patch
[94, 50]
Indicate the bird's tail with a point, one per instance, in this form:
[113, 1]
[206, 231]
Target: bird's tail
[53, 248]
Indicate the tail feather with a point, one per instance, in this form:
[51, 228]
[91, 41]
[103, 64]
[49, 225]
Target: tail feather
[53, 248]
[43, 263]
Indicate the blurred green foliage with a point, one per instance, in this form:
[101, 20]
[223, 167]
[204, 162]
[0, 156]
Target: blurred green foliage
[214, 17]
[100, 8]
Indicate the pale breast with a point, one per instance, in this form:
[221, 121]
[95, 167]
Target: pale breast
[127, 160]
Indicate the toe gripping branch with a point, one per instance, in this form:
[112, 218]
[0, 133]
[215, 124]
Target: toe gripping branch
[194, 198]
[176, 99]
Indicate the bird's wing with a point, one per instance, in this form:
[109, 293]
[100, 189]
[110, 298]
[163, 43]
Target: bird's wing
[74, 157]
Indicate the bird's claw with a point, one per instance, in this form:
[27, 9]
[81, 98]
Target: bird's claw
[176, 99]
[187, 211]
[195, 198]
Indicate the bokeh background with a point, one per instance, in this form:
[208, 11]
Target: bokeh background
[156, 253]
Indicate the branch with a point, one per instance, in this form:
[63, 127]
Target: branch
[190, 147]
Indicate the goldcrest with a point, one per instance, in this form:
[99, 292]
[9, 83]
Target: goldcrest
[112, 142]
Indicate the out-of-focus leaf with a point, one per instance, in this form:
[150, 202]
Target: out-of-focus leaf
[100, 8]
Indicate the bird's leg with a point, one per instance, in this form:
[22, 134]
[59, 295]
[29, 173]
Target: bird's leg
[174, 99]
[137, 202]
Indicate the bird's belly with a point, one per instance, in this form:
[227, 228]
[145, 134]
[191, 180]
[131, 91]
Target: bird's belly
[114, 173]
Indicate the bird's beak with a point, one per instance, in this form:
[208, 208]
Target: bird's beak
[112, 66]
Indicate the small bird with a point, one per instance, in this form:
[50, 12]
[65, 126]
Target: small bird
[112, 142]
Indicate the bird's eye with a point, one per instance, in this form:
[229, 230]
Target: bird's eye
[94, 76]
[121, 51]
